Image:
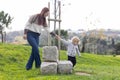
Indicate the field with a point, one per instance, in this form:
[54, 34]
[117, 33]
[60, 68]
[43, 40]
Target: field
[13, 59]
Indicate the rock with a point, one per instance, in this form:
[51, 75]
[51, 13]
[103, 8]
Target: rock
[49, 68]
[50, 54]
[65, 67]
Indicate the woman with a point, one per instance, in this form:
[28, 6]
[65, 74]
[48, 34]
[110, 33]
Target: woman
[32, 32]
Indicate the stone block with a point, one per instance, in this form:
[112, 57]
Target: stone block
[50, 54]
[49, 68]
[65, 67]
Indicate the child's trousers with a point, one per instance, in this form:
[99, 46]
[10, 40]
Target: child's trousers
[72, 59]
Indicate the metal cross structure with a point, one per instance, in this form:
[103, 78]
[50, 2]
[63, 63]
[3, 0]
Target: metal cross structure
[57, 7]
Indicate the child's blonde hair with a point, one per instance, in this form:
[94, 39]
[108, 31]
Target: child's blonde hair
[75, 38]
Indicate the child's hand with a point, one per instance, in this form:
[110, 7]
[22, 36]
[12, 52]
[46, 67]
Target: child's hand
[79, 56]
[57, 37]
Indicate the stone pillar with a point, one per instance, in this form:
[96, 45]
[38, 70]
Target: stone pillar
[50, 54]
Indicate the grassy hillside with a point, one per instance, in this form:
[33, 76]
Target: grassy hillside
[13, 59]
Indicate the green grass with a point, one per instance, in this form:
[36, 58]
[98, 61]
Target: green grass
[13, 59]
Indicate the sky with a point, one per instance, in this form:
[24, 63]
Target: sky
[75, 14]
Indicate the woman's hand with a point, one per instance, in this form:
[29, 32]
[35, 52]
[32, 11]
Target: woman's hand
[25, 36]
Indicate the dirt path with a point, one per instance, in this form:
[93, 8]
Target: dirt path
[82, 73]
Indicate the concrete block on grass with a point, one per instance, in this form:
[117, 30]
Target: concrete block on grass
[65, 67]
[50, 54]
[49, 68]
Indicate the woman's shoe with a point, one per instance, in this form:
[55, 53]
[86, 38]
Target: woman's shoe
[28, 68]
[37, 66]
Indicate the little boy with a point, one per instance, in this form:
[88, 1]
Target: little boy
[72, 47]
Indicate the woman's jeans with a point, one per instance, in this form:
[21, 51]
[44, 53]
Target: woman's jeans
[33, 39]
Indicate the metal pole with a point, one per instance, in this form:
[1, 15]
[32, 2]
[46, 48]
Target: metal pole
[55, 15]
[49, 24]
[55, 19]
[59, 4]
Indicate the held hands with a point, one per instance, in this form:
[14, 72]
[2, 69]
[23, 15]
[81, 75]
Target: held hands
[52, 34]
[55, 35]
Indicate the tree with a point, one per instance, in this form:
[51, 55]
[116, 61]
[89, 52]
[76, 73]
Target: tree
[5, 20]
[84, 41]
[117, 48]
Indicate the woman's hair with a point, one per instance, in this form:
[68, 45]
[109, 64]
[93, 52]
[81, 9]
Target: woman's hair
[42, 18]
